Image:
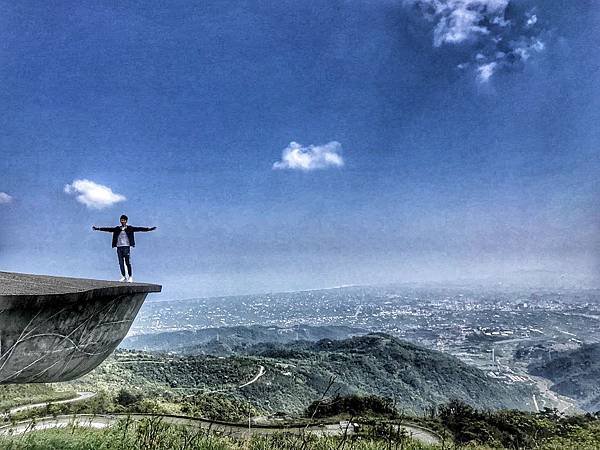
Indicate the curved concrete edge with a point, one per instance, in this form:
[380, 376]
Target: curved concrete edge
[60, 342]
[66, 333]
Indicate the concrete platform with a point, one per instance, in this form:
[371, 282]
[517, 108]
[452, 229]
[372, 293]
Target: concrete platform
[57, 329]
[26, 284]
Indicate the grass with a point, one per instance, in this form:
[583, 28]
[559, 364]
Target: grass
[152, 433]
[156, 435]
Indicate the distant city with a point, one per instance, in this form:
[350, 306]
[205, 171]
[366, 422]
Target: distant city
[499, 331]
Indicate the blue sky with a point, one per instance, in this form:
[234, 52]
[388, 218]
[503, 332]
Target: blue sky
[290, 145]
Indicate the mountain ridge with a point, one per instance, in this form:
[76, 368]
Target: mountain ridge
[298, 372]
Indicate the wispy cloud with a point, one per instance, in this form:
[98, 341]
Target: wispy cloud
[296, 157]
[531, 20]
[93, 195]
[461, 20]
[485, 71]
[5, 198]
[501, 37]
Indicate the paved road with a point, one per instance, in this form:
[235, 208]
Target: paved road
[80, 396]
[261, 372]
[47, 423]
[106, 420]
[421, 434]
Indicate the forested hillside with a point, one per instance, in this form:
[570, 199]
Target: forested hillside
[291, 376]
[576, 374]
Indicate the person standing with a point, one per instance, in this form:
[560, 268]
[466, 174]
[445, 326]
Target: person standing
[123, 239]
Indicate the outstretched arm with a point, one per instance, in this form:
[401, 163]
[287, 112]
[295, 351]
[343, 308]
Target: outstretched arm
[109, 229]
[143, 228]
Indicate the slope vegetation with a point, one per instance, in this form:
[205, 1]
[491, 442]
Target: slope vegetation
[576, 374]
[298, 373]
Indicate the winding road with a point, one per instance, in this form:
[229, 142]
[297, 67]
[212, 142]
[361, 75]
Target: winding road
[261, 372]
[80, 397]
[106, 420]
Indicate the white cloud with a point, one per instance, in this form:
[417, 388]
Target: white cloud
[501, 21]
[462, 20]
[538, 46]
[523, 53]
[524, 48]
[485, 72]
[499, 36]
[531, 21]
[93, 195]
[5, 198]
[313, 157]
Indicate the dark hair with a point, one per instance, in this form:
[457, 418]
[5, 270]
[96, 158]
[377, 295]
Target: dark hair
[124, 217]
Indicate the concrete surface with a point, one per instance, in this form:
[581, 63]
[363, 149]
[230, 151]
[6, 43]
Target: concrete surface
[56, 329]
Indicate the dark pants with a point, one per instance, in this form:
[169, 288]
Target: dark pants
[123, 255]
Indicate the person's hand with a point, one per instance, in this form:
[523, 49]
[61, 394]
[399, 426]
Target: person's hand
[94, 227]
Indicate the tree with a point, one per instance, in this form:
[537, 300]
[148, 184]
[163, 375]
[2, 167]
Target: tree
[127, 398]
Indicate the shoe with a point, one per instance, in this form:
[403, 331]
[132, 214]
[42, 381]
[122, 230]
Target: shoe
[130, 280]
[123, 279]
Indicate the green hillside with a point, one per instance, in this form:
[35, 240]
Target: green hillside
[576, 374]
[296, 374]
[415, 377]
